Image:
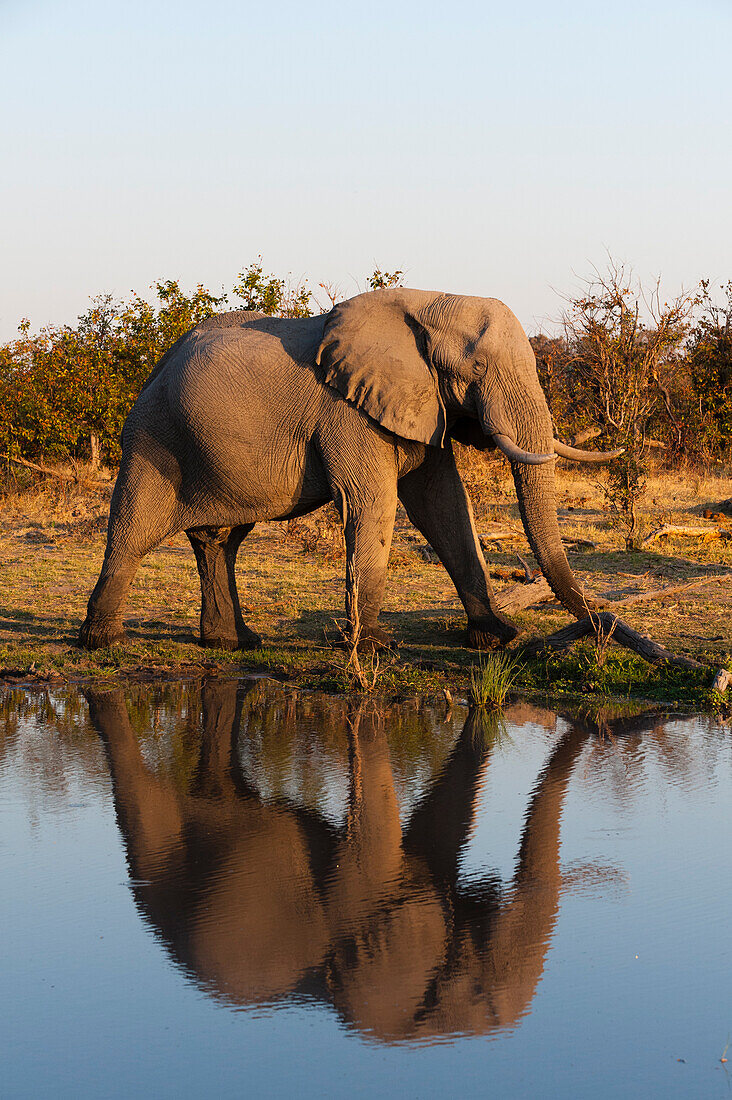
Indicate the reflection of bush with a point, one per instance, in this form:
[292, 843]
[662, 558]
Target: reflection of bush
[62, 752]
[295, 744]
[299, 741]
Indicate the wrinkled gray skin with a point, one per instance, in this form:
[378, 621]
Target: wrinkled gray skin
[249, 418]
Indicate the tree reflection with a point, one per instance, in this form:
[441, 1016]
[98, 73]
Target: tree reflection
[261, 899]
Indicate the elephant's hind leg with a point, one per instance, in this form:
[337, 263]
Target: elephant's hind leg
[143, 511]
[222, 624]
[103, 623]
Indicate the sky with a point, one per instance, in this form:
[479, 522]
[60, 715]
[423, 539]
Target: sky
[494, 149]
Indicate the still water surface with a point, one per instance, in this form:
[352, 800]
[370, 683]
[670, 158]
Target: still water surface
[239, 889]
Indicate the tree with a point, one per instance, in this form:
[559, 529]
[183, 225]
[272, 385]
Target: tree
[552, 355]
[271, 295]
[384, 280]
[710, 362]
[622, 340]
[623, 344]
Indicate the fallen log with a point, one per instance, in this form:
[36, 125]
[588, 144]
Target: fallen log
[583, 544]
[609, 626]
[604, 625]
[687, 532]
[499, 533]
[657, 593]
[88, 483]
[520, 596]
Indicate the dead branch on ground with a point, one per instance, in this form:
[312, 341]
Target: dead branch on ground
[76, 478]
[529, 573]
[519, 596]
[687, 532]
[499, 532]
[581, 544]
[658, 593]
[622, 634]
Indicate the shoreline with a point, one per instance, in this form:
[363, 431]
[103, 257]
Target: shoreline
[292, 593]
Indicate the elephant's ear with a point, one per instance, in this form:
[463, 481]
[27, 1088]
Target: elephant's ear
[373, 352]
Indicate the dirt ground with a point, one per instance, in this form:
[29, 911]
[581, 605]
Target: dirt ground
[292, 590]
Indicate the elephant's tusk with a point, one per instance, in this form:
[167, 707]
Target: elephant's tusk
[515, 454]
[565, 451]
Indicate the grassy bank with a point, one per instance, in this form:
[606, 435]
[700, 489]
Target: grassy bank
[291, 584]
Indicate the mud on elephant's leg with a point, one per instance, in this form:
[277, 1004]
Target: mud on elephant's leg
[368, 529]
[222, 624]
[437, 504]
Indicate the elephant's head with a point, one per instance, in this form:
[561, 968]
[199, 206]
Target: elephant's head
[428, 366]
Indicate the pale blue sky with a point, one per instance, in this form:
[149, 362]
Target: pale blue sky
[490, 149]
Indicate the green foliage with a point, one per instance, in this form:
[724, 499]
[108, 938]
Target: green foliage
[270, 295]
[492, 679]
[624, 487]
[621, 366]
[710, 361]
[62, 385]
[580, 673]
[384, 280]
[621, 338]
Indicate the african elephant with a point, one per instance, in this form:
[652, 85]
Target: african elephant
[251, 418]
[259, 899]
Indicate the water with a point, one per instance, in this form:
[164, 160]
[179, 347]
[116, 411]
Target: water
[243, 889]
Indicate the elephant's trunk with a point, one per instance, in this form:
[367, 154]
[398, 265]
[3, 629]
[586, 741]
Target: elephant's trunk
[535, 492]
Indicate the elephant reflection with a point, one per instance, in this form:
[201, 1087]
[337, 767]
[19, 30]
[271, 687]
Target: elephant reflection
[260, 901]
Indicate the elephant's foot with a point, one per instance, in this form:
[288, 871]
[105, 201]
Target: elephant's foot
[100, 634]
[487, 633]
[246, 639]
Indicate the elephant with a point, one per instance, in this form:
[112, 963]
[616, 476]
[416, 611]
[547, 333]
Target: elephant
[249, 418]
[260, 899]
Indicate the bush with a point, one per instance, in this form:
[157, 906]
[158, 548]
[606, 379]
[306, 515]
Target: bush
[710, 362]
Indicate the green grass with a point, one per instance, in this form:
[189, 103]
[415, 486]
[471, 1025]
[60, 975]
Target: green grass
[577, 674]
[492, 679]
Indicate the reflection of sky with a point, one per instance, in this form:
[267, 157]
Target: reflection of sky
[492, 149]
[91, 1005]
[507, 784]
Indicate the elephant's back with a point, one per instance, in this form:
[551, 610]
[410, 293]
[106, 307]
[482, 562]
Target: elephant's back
[249, 385]
[249, 335]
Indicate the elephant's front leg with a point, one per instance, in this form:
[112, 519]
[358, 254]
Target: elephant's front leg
[438, 505]
[222, 624]
[368, 522]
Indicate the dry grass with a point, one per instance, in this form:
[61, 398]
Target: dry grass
[292, 587]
